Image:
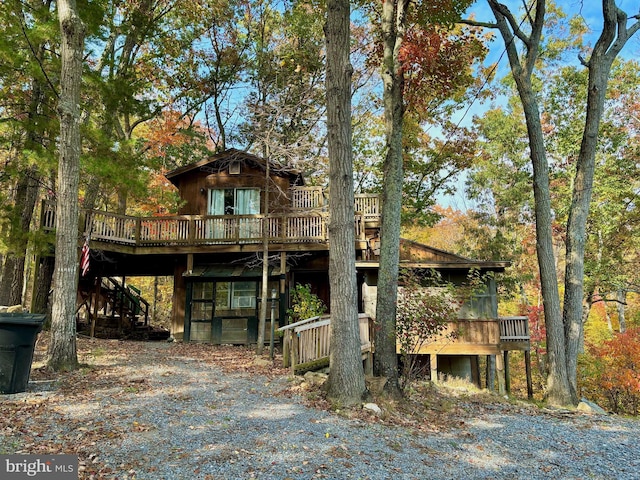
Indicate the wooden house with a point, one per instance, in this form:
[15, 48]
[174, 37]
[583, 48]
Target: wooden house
[235, 207]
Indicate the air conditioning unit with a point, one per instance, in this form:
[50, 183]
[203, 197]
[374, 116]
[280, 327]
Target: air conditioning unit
[244, 302]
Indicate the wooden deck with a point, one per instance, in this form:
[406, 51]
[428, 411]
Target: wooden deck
[301, 226]
[480, 337]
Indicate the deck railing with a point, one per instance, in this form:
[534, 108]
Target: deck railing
[295, 227]
[368, 204]
[307, 342]
[514, 329]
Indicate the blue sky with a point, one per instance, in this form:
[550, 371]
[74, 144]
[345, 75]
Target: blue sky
[591, 12]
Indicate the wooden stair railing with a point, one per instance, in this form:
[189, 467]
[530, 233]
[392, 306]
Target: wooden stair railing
[127, 301]
[306, 344]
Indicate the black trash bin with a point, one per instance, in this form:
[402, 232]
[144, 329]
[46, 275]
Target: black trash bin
[18, 334]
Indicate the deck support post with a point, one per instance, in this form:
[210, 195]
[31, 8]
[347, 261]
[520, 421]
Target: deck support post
[368, 363]
[507, 372]
[527, 366]
[433, 363]
[96, 300]
[491, 372]
[500, 374]
[475, 371]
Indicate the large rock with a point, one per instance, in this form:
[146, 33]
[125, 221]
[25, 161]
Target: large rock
[372, 407]
[589, 407]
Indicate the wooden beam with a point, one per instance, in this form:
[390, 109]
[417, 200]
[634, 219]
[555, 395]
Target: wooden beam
[500, 374]
[312, 365]
[527, 366]
[507, 373]
[459, 349]
[491, 372]
[433, 363]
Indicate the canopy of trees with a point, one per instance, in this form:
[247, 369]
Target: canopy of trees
[165, 83]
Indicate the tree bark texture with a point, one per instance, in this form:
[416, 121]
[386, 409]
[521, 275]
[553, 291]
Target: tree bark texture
[558, 386]
[613, 37]
[564, 330]
[62, 348]
[386, 358]
[346, 384]
[42, 288]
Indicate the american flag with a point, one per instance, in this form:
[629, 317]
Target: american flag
[84, 257]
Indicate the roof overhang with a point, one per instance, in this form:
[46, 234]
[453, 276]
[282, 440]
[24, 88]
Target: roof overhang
[223, 159]
[229, 271]
[494, 266]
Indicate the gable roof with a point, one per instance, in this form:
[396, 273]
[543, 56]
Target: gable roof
[418, 255]
[222, 160]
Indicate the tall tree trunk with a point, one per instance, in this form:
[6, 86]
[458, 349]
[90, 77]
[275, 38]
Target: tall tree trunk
[563, 331]
[558, 386]
[12, 283]
[386, 358]
[346, 378]
[121, 209]
[613, 37]
[262, 320]
[40, 301]
[586, 310]
[26, 195]
[62, 348]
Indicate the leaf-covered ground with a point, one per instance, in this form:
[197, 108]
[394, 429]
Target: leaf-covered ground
[101, 409]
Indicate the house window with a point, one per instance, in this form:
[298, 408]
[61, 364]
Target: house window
[243, 295]
[201, 304]
[233, 201]
[235, 295]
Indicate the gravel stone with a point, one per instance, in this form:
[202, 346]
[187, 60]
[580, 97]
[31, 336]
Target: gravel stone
[194, 421]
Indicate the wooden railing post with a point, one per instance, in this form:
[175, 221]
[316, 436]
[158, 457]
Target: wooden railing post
[286, 348]
[191, 233]
[294, 351]
[138, 232]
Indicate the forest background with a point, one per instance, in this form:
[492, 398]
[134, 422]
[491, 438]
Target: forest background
[168, 82]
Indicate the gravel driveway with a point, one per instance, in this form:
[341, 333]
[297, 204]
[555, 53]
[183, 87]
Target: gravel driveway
[176, 411]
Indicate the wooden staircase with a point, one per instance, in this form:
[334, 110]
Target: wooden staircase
[110, 308]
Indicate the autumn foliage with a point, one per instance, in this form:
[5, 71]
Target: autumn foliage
[423, 315]
[611, 372]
